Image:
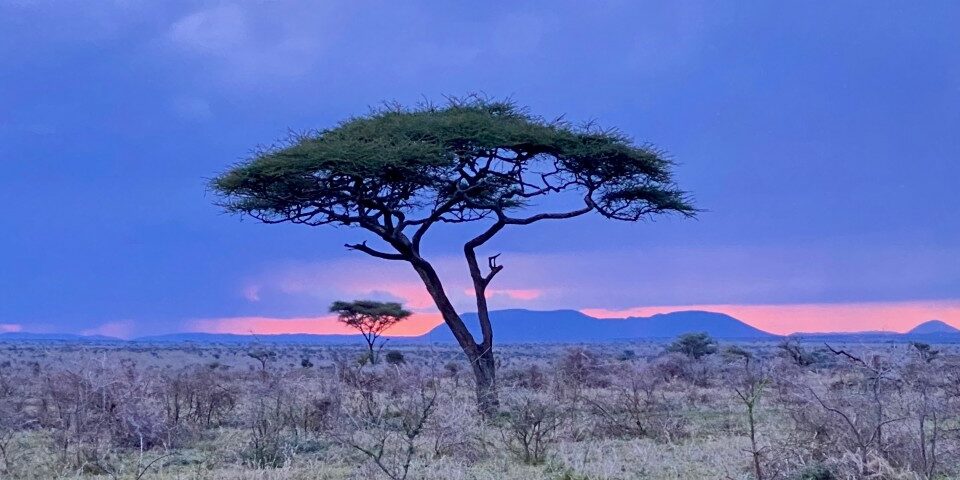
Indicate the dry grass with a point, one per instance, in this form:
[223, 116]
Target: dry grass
[569, 413]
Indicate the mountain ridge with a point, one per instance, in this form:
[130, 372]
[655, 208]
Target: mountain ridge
[566, 326]
[540, 326]
[933, 327]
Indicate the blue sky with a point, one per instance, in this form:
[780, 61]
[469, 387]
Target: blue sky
[821, 138]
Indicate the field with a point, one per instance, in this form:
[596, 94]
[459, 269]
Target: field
[611, 411]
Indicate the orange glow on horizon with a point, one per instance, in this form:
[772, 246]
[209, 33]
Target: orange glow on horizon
[778, 319]
[417, 324]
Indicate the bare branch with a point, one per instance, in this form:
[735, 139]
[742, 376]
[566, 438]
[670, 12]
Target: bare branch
[362, 247]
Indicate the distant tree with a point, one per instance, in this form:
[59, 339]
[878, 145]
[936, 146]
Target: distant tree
[305, 362]
[925, 351]
[263, 356]
[799, 355]
[399, 172]
[737, 353]
[694, 345]
[395, 357]
[371, 319]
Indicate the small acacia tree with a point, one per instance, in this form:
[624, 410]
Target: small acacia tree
[370, 318]
[695, 345]
[399, 172]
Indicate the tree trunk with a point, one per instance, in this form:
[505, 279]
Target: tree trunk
[481, 357]
[484, 370]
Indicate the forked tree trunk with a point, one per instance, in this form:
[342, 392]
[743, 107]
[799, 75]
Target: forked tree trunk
[480, 356]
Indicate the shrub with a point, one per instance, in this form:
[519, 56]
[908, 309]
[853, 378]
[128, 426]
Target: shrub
[395, 357]
[815, 472]
[796, 353]
[305, 362]
[529, 426]
[580, 367]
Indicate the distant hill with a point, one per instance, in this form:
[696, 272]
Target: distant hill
[566, 326]
[933, 327]
[54, 337]
[719, 325]
[930, 331]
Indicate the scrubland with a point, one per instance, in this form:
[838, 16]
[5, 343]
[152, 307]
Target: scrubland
[571, 412]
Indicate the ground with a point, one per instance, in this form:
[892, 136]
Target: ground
[605, 411]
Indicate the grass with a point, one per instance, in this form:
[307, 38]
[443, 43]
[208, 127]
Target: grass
[210, 412]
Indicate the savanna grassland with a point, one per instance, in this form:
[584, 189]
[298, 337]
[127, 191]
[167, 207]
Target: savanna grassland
[613, 411]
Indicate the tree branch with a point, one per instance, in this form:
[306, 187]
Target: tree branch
[494, 269]
[362, 247]
[548, 216]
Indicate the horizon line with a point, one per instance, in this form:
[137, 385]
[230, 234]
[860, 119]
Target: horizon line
[777, 319]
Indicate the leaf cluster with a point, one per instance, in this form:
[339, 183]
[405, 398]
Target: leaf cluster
[465, 160]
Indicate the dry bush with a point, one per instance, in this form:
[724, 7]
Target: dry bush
[677, 366]
[529, 424]
[581, 368]
[385, 418]
[636, 406]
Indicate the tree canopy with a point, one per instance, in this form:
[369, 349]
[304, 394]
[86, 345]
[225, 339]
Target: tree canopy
[400, 168]
[361, 312]
[694, 345]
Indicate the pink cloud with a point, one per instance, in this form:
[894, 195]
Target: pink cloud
[341, 279]
[520, 293]
[10, 327]
[119, 329]
[412, 294]
[815, 317]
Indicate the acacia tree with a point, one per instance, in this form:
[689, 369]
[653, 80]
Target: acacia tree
[399, 172]
[370, 318]
[695, 345]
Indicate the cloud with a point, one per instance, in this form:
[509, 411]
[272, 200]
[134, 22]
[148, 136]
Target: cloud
[214, 31]
[10, 327]
[332, 280]
[265, 43]
[319, 283]
[251, 293]
[663, 275]
[524, 294]
[118, 329]
[247, 44]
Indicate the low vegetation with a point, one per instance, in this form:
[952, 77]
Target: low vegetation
[687, 410]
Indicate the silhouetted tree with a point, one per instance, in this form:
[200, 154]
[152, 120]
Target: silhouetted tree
[799, 355]
[395, 357]
[263, 356]
[694, 345]
[370, 318]
[399, 172]
[925, 351]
